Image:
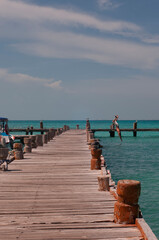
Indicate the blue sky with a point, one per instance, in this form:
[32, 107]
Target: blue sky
[73, 59]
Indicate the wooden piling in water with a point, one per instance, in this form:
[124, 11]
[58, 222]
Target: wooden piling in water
[112, 130]
[31, 130]
[41, 127]
[135, 129]
[27, 131]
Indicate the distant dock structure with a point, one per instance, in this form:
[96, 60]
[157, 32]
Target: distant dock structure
[134, 130]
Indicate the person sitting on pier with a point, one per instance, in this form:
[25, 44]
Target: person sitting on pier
[117, 126]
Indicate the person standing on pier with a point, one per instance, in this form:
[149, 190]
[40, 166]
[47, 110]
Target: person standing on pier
[117, 126]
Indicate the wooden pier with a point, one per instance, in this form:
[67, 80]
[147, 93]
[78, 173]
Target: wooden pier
[112, 130]
[134, 131]
[29, 130]
[53, 194]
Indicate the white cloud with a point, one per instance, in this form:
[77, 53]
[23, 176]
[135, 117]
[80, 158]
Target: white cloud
[78, 46]
[38, 14]
[18, 78]
[127, 86]
[150, 39]
[108, 4]
[32, 30]
[56, 84]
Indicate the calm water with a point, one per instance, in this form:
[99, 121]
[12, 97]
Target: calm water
[136, 158]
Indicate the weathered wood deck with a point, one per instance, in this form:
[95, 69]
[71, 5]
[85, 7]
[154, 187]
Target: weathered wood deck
[53, 194]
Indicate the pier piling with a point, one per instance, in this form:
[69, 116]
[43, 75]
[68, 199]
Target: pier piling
[39, 140]
[33, 141]
[96, 154]
[126, 209]
[135, 129]
[45, 138]
[18, 152]
[41, 126]
[31, 130]
[27, 131]
[103, 183]
[27, 147]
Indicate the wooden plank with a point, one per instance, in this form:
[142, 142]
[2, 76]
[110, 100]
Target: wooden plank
[79, 233]
[145, 229]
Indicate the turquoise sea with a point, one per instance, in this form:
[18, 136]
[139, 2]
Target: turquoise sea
[135, 158]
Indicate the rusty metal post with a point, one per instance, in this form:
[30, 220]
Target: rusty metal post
[27, 142]
[39, 140]
[103, 183]
[126, 209]
[33, 141]
[96, 154]
[18, 151]
[45, 138]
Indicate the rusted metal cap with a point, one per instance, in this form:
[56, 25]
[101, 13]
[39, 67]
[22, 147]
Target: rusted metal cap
[128, 191]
